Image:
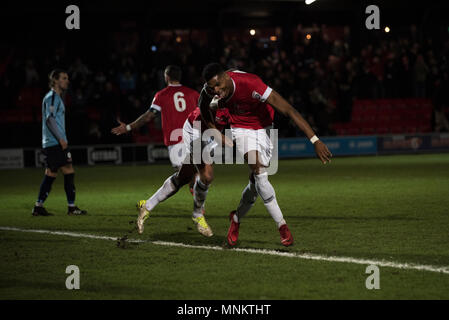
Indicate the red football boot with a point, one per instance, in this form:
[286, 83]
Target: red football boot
[233, 232]
[286, 236]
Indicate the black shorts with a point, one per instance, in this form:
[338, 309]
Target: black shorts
[56, 158]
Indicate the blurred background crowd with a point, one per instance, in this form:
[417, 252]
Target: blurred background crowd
[321, 69]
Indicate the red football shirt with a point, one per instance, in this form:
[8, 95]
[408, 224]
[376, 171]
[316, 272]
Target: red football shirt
[247, 106]
[175, 102]
[222, 118]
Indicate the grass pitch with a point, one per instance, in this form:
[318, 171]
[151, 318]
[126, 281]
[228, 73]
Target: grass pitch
[393, 208]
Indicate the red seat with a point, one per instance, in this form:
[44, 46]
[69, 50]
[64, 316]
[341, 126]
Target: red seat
[412, 102]
[385, 108]
[395, 115]
[396, 126]
[411, 115]
[383, 118]
[425, 128]
[340, 131]
[411, 129]
[424, 113]
[370, 114]
[382, 130]
[368, 130]
[352, 131]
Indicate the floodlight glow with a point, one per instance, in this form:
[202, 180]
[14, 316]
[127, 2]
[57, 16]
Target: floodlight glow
[252, 32]
[310, 1]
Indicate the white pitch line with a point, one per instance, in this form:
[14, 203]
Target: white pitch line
[306, 256]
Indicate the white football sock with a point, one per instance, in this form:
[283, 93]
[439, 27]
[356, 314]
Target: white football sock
[249, 197]
[199, 197]
[266, 192]
[169, 188]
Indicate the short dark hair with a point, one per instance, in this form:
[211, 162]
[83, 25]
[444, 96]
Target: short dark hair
[174, 72]
[54, 75]
[211, 70]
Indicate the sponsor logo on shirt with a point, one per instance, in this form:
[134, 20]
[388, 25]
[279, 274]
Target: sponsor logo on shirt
[256, 95]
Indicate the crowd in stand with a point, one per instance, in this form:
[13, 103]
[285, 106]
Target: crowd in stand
[319, 76]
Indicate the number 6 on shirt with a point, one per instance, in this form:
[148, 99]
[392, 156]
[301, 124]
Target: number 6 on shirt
[180, 103]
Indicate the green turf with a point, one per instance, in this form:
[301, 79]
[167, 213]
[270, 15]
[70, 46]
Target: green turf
[392, 208]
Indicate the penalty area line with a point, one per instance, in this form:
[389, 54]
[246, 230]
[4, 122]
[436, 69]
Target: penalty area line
[304, 256]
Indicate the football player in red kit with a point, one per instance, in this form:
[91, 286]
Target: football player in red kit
[174, 103]
[250, 103]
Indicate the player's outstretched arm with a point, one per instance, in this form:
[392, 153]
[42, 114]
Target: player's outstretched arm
[139, 122]
[281, 105]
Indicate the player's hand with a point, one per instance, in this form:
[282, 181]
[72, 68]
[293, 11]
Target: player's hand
[322, 151]
[121, 129]
[63, 144]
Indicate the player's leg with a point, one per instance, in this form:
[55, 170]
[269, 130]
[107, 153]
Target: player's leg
[200, 190]
[180, 156]
[169, 188]
[268, 195]
[192, 183]
[256, 147]
[201, 187]
[249, 197]
[177, 154]
[44, 191]
[51, 172]
[69, 188]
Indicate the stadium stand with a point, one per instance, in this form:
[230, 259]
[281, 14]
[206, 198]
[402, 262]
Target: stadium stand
[388, 116]
[381, 85]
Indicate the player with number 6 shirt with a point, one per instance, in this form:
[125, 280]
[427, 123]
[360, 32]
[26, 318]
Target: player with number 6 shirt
[174, 103]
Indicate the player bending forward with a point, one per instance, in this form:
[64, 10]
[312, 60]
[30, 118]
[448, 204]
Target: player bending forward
[250, 103]
[191, 135]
